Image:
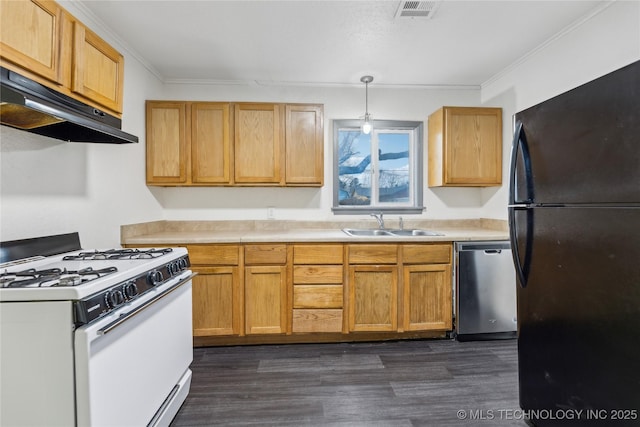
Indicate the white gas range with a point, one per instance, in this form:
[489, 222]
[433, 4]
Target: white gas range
[93, 337]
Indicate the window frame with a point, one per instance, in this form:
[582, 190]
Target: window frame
[416, 158]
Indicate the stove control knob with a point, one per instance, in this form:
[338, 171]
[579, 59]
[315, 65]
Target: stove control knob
[155, 277]
[173, 268]
[113, 298]
[182, 264]
[130, 290]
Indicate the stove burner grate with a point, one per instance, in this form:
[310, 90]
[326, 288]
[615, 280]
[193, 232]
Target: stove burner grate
[114, 254]
[53, 277]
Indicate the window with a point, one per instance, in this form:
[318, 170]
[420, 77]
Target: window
[390, 182]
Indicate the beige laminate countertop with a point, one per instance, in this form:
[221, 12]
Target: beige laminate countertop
[199, 232]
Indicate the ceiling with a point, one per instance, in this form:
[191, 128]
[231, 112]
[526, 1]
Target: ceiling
[311, 42]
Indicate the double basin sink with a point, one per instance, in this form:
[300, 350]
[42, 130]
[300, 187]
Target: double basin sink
[368, 232]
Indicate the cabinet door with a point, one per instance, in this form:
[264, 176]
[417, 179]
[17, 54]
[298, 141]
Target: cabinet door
[465, 147]
[427, 297]
[210, 143]
[217, 304]
[473, 146]
[166, 143]
[30, 36]
[373, 298]
[304, 145]
[258, 144]
[265, 299]
[98, 69]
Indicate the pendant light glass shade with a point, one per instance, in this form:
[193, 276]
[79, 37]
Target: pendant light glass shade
[367, 124]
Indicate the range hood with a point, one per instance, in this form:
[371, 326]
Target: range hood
[30, 106]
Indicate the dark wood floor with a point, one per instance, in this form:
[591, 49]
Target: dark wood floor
[399, 383]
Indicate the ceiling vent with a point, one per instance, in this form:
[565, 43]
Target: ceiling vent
[417, 9]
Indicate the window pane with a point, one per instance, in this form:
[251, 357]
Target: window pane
[393, 180]
[354, 168]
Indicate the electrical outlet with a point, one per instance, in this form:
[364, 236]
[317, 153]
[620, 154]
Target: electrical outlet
[271, 212]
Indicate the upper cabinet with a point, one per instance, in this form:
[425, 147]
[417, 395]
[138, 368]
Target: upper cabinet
[98, 69]
[258, 143]
[211, 143]
[234, 144]
[465, 147]
[304, 150]
[31, 33]
[42, 41]
[166, 143]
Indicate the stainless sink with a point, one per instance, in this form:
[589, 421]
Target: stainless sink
[364, 232]
[414, 232]
[360, 232]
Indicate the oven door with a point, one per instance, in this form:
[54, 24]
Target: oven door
[132, 367]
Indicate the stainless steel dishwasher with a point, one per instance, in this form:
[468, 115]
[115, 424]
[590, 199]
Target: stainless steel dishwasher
[485, 291]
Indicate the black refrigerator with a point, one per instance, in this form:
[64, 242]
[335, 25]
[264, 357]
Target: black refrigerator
[574, 219]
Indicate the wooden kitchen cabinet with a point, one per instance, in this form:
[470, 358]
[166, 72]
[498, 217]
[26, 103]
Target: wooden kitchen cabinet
[427, 282]
[188, 143]
[373, 287]
[31, 35]
[42, 41]
[217, 290]
[98, 69]
[249, 293]
[465, 147]
[234, 144]
[216, 301]
[258, 143]
[318, 291]
[304, 136]
[166, 142]
[211, 143]
[373, 298]
[265, 289]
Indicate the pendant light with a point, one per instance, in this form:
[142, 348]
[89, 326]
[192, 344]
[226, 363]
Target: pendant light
[367, 123]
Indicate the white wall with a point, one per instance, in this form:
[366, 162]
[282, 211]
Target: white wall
[605, 42]
[49, 187]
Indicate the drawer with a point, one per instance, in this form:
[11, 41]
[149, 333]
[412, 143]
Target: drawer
[426, 254]
[324, 320]
[317, 254]
[317, 274]
[265, 254]
[317, 296]
[213, 254]
[373, 254]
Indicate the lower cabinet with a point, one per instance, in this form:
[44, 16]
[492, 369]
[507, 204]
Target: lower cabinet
[318, 291]
[265, 289]
[427, 297]
[373, 298]
[217, 292]
[272, 292]
[217, 308]
[427, 284]
[265, 299]
[373, 287]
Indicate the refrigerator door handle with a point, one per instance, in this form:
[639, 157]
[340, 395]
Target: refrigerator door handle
[519, 140]
[515, 252]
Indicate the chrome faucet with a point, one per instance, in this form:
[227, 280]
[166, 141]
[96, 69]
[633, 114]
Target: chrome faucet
[380, 219]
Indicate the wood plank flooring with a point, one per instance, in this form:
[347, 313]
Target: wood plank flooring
[393, 383]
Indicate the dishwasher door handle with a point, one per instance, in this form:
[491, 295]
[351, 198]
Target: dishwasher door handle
[493, 251]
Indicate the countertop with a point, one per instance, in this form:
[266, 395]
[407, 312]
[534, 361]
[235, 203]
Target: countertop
[202, 232]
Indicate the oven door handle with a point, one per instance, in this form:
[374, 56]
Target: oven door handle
[126, 316]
